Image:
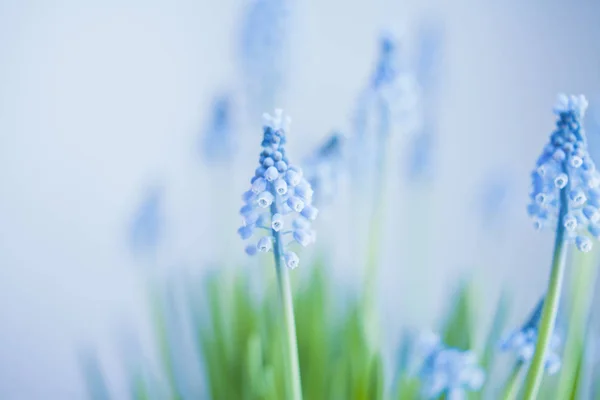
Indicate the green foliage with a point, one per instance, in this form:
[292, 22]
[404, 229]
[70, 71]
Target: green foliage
[238, 341]
[335, 360]
[459, 329]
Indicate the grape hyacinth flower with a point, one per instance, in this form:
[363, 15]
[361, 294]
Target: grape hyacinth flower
[522, 342]
[449, 371]
[322, 168]
[279, 203]
[394, 86]
[262, 48]
[427, 71]
[392, 95]
[565, 195]
[146, 228]
[217, 144]
[565, 167]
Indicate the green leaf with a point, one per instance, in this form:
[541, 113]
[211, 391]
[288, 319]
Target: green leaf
[458, 330]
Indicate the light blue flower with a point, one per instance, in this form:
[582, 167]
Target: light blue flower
[566, 164]
[303, 237]
[421, 158]
[146, 229]
[323, 168]
[246, 231]
[277, 192]
[280, 186]
[265, 199]
[251, 249]
[448, 371]
[395, 86]
[277, 222]
[310, 212]
[522, 342]
[391, 101]
[295, 203]
[291, 259]
[265, 244]
[261, 52]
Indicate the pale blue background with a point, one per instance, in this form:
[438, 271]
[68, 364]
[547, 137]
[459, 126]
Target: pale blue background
[99, 99]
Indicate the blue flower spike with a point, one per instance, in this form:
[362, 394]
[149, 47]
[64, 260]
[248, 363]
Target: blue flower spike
[566, 164]
[564, 196]
[280, 197]
[324, 167]
[448, 371]
[278, 191]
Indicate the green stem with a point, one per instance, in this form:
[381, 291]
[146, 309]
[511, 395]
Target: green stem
[287, 307]
[551, 302]
[375, 228]
[582, 292]
[512, 384]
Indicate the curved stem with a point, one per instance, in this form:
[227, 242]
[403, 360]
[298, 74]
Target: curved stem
[287, 307]
[512, 384]
[551, 302]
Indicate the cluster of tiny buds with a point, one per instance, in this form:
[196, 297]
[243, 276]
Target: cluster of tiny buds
[565, 165]
[279, 197]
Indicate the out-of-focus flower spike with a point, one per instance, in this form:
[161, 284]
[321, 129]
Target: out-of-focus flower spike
[325, 167]
[217, 141]
[261, 53]
[448, 371]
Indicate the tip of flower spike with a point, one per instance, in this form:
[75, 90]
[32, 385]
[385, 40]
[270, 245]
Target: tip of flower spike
[566, 104]
[277, 120]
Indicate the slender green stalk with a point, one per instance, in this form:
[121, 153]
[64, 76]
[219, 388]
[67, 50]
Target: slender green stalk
[551, 302]
[378, 205]
[375, 229]
[512, 384]
[287, 307]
